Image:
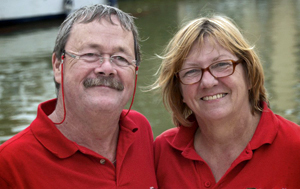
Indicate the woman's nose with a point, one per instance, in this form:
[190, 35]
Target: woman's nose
[208, 80]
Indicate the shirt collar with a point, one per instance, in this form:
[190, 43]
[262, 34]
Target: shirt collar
[265, 133]
[182, 139]
[266, 130]
[52, 139]
[48, 135]
[127, 122]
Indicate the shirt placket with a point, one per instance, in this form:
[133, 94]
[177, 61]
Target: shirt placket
[206, 179]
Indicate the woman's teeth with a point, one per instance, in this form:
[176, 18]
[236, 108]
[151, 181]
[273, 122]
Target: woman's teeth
[214, 97]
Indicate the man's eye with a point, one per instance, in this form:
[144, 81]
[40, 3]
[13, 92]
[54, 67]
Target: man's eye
[120, 61]
[120, 58]
[90, 57]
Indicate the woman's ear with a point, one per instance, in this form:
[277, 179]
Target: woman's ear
[56, 66]
[249, 84]
[247, 77]
[181, 92]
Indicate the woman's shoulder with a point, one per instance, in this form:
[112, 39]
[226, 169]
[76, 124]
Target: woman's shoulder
[287, 124]
[166, 139]
[170, 133]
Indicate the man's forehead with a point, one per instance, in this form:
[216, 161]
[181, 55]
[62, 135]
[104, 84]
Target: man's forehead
[91, 35]
[107, 19]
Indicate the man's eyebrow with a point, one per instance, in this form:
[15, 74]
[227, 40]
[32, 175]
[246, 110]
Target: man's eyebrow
[126, 51]
[116, 49]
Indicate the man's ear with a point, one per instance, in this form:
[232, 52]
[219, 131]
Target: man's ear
[56, 66]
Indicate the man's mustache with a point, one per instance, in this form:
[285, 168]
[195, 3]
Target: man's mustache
[104, 81]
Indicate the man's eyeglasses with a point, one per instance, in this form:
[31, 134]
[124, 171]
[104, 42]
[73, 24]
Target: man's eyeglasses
[120, 61]
[218, 69]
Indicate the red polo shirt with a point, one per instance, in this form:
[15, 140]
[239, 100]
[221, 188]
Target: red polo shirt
[41, 157]
[271, 160]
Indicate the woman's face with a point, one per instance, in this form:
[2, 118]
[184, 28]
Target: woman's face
[215, 98]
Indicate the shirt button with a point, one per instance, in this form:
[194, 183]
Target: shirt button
[207, 184]
[102, 161]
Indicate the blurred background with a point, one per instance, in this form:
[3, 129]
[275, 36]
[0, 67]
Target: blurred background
[273, 26]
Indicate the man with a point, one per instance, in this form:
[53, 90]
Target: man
[84, 138]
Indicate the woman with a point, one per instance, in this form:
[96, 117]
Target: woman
[226, 136]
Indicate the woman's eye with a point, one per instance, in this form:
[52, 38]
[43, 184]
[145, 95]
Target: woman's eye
[192, 72]
[221, 65]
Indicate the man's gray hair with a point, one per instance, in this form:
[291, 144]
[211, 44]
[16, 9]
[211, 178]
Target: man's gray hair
[88, 14]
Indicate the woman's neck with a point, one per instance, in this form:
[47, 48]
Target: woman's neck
[220, 144]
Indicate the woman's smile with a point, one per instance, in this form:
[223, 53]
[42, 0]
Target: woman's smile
[214, 97]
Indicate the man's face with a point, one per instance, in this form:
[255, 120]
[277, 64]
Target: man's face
[105, 39]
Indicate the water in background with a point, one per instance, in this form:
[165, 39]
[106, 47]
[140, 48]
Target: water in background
[272, 25]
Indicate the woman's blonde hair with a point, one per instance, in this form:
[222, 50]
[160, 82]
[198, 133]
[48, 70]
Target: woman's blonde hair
[223, 30]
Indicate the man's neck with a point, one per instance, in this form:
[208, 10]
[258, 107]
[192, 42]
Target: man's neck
[97, 132]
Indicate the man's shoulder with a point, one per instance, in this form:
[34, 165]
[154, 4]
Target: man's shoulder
[134, 114]
[135, 121]
[17, 143]
[135, 117]
[26, 136]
